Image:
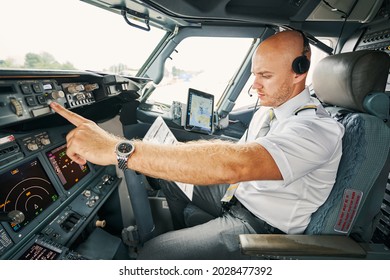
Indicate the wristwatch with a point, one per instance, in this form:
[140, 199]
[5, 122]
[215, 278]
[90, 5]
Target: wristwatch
[124, 149]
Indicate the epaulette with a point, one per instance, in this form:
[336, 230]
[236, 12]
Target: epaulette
[304, 108]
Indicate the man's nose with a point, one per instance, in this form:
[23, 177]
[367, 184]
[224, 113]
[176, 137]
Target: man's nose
[257, 85]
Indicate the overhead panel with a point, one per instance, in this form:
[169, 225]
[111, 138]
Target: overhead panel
[363, 11]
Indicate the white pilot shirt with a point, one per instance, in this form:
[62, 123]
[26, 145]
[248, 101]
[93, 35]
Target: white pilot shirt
[307, 149]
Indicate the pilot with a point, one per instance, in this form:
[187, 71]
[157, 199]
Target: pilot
[271, 181]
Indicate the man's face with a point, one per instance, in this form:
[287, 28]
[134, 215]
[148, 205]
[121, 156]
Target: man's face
[273, 77]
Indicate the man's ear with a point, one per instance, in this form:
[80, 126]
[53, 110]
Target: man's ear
[298, 78]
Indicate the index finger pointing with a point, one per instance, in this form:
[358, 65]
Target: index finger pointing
[74, 118]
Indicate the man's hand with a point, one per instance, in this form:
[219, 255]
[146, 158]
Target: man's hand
[87, 142]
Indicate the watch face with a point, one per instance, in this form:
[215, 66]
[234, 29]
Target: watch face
[125, 148]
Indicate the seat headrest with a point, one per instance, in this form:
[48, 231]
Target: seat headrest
[345, 79]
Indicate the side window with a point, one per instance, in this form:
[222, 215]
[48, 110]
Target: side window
[203, 63]
[245, 100]
[316, 56]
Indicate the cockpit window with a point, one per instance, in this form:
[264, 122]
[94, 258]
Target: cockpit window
[67, 35]
[202, 63]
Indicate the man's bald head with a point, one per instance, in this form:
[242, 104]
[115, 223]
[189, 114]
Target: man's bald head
[287, 45]
[275, 80]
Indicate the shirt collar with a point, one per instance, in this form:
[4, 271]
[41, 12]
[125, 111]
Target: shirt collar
[288, 108]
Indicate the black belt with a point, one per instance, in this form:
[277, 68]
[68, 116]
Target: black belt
[235, 208]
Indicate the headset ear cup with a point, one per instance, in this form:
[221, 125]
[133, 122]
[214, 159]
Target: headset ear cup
[301, 64]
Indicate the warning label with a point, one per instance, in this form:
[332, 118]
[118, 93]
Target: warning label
[348, 210]
[7, 139]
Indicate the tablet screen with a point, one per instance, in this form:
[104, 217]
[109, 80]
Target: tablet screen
[200, 111]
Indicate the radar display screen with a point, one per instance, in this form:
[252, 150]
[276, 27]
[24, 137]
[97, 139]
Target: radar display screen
[28, 189]
[68, 171]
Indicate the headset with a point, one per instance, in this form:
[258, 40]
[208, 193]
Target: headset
[301, 64]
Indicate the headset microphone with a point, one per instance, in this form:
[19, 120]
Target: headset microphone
[249, 91]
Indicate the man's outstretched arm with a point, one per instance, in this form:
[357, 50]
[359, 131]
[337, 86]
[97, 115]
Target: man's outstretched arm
[197, 163]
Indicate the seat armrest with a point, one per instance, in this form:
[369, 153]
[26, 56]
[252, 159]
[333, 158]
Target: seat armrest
[300, 245]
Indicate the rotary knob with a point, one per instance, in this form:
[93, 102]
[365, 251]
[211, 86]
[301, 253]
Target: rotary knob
[100, 223]
[45, 141]
[16, 107]
[87, 193]
[91, 87]
[75, 88]
[57, 94]
[32, 146]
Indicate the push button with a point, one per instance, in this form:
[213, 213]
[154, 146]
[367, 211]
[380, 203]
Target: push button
[26, 88]
[41, 99]
[31, 101]
[38, 88]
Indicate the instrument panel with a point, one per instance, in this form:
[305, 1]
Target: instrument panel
[25, 95]
[57, 198]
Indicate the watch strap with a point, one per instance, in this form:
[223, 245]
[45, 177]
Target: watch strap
[122, 162]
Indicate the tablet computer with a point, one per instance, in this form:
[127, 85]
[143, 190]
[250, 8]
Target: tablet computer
[199, 112]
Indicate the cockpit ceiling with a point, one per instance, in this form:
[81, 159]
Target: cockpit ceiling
[278, 12]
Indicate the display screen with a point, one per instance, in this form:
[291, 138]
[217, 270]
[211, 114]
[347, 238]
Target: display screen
[200, 111]
[5, 241]
[39, 252]
[26, 188]
[68, 171]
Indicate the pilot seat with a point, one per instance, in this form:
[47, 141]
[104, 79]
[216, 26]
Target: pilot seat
[352, 87]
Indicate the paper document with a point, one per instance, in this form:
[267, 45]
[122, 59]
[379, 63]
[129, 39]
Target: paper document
[160, 133]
